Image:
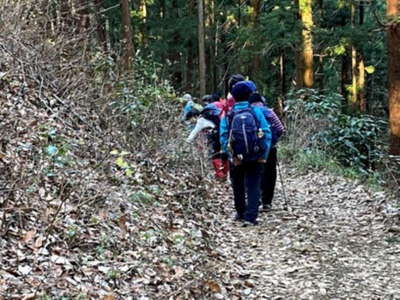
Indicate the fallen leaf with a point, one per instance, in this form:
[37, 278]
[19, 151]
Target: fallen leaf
[39, 242]
[29, 236]
[213, 286]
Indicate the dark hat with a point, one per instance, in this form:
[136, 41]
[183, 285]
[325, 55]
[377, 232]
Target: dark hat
[234, 79]
[207, 99]
[256, 97]
[242, 90]
[215, 96]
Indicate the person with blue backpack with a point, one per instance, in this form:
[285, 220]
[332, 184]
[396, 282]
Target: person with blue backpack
[246, 136]
[270, 172]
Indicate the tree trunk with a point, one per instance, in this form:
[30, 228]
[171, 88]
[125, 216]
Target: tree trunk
[213, 40]
[255, 16]
[307, 57]
[346, 77]
[143, 18]
[393, 32]
[361, 68]
[282, 83]
[202, 58]
[127, 36]
[352, 100]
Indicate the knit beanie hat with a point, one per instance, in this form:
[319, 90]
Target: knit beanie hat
[243, 89]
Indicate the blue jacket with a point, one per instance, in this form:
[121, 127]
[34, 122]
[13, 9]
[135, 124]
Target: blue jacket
[224, 128]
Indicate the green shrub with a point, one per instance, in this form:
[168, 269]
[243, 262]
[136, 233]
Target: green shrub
[316, 121]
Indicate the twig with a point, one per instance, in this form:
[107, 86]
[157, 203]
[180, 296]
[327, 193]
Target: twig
[63, 198]
[2, 231]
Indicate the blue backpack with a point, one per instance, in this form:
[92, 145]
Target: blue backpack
[245, 135]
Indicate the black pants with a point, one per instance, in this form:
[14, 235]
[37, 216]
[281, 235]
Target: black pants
[246, 180]
[269, 178]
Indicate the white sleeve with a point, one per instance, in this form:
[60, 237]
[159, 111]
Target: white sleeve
[200, 125]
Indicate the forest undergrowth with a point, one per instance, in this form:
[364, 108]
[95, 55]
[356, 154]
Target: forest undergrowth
[92, 204]
[100, 198]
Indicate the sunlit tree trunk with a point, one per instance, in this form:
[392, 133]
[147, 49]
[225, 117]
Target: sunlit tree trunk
[143, 17]
[127, 36]
[393, 34]
[202, 58]
[353, 104]
[356, 97]
[361, 68]
[307, 55]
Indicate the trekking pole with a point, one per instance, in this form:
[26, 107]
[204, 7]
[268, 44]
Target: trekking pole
[283, 185]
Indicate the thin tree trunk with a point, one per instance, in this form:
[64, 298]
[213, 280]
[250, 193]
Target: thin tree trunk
[307, 56]
[255, 16]
[353, 105]
[282, 83]
[393, 32]
[353, 94]
[213, 40]
[346, 77]
[361, 68]
[127, 42]
[143, 18]
[202, 58]
[297, 59]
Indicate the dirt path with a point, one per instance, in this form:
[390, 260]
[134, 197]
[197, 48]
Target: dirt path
[336, 242]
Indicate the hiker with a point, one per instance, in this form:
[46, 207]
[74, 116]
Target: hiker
[210, 121]
[269, 176]
[191, 109]
[246, 136]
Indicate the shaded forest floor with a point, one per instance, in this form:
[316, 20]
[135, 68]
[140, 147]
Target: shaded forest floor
[336, 241]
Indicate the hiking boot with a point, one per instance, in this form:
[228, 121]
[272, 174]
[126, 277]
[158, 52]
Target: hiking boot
[248, 223]
[266, 208]
[238, 218]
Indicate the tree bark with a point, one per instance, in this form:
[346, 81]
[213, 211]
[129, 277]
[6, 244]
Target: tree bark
[213, 40]
[307, 57]
[361, 68]
[202, 58]
[353, 105]
[127, 36]
[143, 18]
[393, 34]
[346, 78]
[255, 16]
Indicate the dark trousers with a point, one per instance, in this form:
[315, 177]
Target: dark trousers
[269, 178]
[246, 180]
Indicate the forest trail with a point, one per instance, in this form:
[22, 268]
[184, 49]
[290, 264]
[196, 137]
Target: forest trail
[334, 242]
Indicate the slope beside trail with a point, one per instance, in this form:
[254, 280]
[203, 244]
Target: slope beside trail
[337, 240]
